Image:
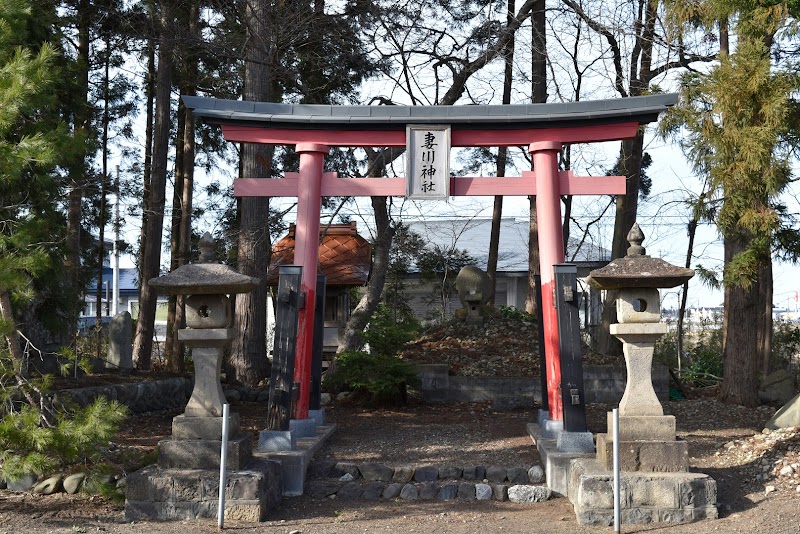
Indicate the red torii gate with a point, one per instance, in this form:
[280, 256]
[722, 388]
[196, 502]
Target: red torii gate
[544, 128]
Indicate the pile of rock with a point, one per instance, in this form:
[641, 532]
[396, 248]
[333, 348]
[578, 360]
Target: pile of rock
[373, 481]
[771, 458]
[57, 483]
[499, 347]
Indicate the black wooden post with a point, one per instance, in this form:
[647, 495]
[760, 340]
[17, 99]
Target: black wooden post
[315, 390]
[281, 382]
[540, 323]
[569, 344]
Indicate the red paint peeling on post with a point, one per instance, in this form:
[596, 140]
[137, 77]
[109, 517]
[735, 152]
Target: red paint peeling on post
[551, 252]
[305, 254]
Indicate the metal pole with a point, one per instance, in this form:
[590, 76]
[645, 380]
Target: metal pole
[223, 467]
[615, 449]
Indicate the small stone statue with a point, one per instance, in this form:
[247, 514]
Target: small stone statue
[473, 291]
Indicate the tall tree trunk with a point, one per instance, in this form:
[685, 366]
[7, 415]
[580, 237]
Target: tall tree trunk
[740, 339]
[78, 169]
[187, 179]
[151, 246]
[101, 231]
[149, 120]
[171, 338]
[539, 95]
[247, 361]
[384, 232]
[692, 230]
[765, 294]
[502, 160]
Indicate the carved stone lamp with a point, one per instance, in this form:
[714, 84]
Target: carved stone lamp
[208, 320]
[637, 278]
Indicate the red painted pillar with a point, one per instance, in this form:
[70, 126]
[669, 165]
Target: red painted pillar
[306, 253]
[551, 252]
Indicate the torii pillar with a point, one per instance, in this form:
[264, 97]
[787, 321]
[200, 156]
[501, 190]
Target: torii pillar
[551, 252]
[306, 253]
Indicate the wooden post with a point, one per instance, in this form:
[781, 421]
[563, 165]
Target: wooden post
[569, 340]
[540, 326]
[284, 348]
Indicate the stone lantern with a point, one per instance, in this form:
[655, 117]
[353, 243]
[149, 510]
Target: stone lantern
[637, 278]
[208, 320]
[189, 462]
[656, 482]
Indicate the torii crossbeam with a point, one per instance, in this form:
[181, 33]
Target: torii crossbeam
[544, 128]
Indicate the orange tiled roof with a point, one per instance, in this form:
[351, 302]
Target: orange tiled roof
[344, 256]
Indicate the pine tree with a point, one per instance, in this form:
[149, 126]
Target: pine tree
[30, 142]
[737, 122]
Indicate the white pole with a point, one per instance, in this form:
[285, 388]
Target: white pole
[223, 467]
[115, 267]
[615, 449]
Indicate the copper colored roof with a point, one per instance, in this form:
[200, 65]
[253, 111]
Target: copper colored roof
[344, 256]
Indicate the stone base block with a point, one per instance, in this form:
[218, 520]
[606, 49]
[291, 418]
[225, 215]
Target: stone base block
[185, 427]
[575, 442]
[318, 416]
[644, 456]
[179, 494]
[557, 464]
[294, 463]
[644, 497]
[202, 453]
[644, 427]
[548, 428]
[303, 428]
[277, 440]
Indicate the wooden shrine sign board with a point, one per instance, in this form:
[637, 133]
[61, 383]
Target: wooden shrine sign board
[544, 128]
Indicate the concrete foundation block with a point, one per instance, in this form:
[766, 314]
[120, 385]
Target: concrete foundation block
[276, 440]
[557, 464]
[203, 454]
[294, 463]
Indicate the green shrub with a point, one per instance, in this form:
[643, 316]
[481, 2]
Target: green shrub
[28, 446]
[39, 436]
[389, 330]
[785, 345]
[510, 312]
[375, 378]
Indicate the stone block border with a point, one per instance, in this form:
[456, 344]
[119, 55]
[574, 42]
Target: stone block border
[374, 481]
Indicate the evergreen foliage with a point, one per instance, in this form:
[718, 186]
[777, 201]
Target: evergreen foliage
[376, 379]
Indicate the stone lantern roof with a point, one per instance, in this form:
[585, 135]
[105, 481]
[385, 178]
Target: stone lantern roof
[206, 277]
[637, 270]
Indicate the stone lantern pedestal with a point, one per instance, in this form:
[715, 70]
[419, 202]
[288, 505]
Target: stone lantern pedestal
[184, 484]
[656, 485]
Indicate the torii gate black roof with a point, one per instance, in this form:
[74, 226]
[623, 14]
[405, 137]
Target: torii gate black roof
[642, 109]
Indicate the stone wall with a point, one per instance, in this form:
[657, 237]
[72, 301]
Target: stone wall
[139, 397]
[603, 384]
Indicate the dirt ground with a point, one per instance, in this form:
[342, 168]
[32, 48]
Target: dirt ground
[758, 487]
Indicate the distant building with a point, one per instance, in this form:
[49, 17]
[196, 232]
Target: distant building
[344, 258]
